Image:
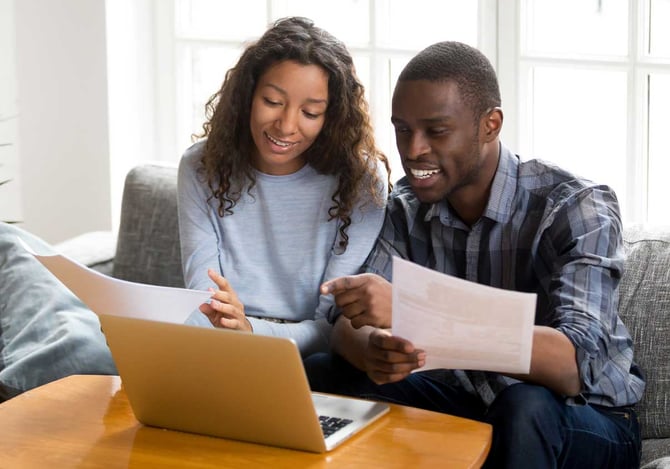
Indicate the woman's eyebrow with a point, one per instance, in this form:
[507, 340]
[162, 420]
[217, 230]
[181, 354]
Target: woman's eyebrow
[282, 91]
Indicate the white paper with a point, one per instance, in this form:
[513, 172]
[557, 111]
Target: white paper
[460, 324]
[108, 295]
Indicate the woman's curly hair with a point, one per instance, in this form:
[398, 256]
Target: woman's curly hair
[345, 147]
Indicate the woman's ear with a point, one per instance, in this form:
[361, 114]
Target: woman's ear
[491, 124]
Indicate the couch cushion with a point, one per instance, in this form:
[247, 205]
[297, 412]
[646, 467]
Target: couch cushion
[94, 249]
[655, 454]
[645, 309]
[147, 249]
[46, 333]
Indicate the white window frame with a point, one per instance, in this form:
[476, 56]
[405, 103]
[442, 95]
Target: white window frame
[499, 38]
[512, 65]
[378, 96]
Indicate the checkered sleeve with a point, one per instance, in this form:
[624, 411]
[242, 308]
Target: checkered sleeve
[582, 249]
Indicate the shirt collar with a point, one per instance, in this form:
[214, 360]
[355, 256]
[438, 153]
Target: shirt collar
[503, 191]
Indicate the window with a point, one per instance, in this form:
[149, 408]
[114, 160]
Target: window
[210, 35]
[584, 83]
[588, 81]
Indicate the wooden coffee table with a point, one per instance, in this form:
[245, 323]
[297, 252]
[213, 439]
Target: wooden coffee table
[86, 421]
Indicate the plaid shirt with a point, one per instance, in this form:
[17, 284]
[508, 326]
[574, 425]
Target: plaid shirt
[543, 231]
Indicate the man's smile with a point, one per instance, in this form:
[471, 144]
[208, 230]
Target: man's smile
[424, 173]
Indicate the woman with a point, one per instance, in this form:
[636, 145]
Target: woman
[287, 188]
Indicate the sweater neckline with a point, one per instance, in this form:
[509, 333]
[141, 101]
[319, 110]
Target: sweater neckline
[299, 174]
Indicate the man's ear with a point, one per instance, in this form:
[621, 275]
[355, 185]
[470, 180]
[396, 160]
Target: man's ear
[491, 124]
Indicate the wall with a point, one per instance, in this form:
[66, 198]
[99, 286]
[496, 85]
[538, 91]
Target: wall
[10, 184]
[63, 138]
[135, 94]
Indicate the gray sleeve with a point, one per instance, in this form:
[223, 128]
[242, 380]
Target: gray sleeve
[311, 336]
[198, 236]
[366, 224]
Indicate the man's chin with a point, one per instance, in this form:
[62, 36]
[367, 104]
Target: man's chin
[427, 196]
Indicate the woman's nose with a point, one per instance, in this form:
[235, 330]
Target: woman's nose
[288, 122]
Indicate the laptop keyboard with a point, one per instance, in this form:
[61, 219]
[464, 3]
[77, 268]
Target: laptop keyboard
[330, 425]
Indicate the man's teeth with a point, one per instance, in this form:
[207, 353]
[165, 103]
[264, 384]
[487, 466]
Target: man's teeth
[423, 173]
[279, 142]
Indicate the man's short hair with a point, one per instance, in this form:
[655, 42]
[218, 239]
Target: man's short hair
[461, 63]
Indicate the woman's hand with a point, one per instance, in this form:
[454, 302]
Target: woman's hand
[225, 309]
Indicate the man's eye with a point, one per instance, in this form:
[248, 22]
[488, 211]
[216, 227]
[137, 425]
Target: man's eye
[437, 130]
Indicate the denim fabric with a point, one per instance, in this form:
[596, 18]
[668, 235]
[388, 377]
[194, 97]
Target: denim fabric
[46, 333]
[532, 427]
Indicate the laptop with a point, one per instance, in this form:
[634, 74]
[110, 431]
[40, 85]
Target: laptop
[228, 384]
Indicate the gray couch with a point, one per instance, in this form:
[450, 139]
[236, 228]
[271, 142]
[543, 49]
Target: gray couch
[148, 251]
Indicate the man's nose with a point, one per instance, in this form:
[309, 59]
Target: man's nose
[417, 146]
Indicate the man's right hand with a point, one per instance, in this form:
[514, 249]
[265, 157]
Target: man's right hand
[364, 299]
[389, 358]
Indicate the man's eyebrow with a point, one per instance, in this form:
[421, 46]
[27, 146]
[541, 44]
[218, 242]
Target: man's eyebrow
[425, 120]
[283, 92]
[437, 120]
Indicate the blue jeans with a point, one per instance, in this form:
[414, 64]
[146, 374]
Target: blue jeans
[532, 427]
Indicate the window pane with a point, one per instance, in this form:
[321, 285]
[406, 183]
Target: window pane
[575, 27]
[363, 71]
[395, 66]
[209, 31]
[202, 70]
[220, 19]
[659, 33]
[577, 119]
[400, 24]
[389, 68]
[659, 160]
[347, 20]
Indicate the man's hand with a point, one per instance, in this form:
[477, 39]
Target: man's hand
[389, 358]
[225, 309]
[365, 299]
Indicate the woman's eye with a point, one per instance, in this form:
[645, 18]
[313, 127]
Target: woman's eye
[271, 102]
[311, 115]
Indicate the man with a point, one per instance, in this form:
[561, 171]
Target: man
[469, 207]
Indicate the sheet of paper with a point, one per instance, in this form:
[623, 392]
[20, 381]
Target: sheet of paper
[461, 324]
[107, 295]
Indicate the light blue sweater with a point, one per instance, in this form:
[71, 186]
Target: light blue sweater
[275, 249]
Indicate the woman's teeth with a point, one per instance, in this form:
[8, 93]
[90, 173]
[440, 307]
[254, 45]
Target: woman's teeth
[278, 142]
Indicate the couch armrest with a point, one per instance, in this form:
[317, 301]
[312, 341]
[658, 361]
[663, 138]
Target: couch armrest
[147, 249]
[94, 249]
[644, 307]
